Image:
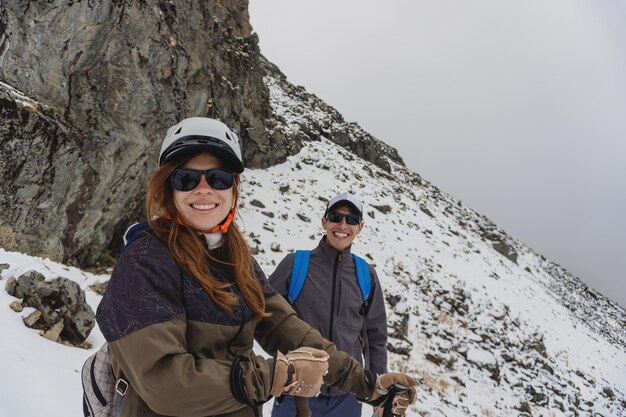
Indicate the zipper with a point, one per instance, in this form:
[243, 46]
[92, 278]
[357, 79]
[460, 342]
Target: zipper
[336, 266]
[340, 269]
[332, 299]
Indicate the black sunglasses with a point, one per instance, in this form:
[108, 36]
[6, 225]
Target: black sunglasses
[351, 219]
[187, 179]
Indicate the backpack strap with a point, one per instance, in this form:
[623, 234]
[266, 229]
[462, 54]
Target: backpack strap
[365, 284]
[298, 274]
[133, 233]
[363, 277]
[121, 387]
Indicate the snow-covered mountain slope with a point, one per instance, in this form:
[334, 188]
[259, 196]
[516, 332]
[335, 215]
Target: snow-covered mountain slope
[493, 328]
[490, 335]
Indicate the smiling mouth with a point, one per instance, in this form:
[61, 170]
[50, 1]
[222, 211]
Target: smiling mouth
[203, 206]
[340, 235]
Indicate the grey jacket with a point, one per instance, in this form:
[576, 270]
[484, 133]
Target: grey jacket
[330, 301]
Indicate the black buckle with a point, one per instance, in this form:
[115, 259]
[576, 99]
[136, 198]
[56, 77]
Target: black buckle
[121, 387]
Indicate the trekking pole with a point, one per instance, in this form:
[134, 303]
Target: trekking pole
[302, 407]
[385, 407]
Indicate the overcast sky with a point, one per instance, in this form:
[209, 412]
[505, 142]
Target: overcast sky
[517, 108]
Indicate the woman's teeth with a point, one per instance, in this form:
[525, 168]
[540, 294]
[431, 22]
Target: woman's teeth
[340, 235]
[204, 206]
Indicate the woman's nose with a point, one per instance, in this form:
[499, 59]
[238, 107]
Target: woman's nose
[203, 186]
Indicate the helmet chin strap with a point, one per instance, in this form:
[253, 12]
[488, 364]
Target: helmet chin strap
[223, 227]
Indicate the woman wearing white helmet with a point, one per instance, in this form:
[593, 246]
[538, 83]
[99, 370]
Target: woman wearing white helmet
[186, 300]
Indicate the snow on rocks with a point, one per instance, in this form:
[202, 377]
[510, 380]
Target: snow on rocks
[480, 357]
[21, 99]
[61, 311]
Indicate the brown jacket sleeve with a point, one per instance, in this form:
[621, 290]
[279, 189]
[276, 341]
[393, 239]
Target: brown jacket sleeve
[172, 382]
[284, 331]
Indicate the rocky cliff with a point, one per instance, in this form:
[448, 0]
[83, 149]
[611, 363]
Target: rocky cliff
[87, 90]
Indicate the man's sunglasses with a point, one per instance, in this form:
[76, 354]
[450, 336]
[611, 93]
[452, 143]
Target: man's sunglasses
[187, 179]
[351, 219]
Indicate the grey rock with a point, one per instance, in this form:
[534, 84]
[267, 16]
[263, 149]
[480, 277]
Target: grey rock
[11, 287]
[525, 407]
[392, 299]
[507, 251]
[499, 241]
[426, 211]
[434, 358]
[98, 83]
[54, 332]
[58, 300]
[401, 347]
[16, 306]
[99, 287]
[537, 395]
[257, 203]
[400, 326]
[303, 218]
[608, 392]
[383, 209]
[108, 78]
[32, 318]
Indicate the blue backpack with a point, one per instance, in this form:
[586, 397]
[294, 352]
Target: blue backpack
[301, 266]
[298, 276]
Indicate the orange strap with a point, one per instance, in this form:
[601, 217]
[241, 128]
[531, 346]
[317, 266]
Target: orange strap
[221, 227]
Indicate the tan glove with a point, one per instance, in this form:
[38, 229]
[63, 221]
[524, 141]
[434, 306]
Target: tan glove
[299, 372]
[400, 401]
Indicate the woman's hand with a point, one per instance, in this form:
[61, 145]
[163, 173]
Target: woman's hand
[299, 372]
[401, 401]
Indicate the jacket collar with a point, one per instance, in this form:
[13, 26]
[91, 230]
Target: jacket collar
[328, 251]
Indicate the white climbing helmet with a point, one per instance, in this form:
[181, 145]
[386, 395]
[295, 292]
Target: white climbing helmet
[197, 134]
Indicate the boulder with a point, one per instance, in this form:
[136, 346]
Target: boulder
[60, 301]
